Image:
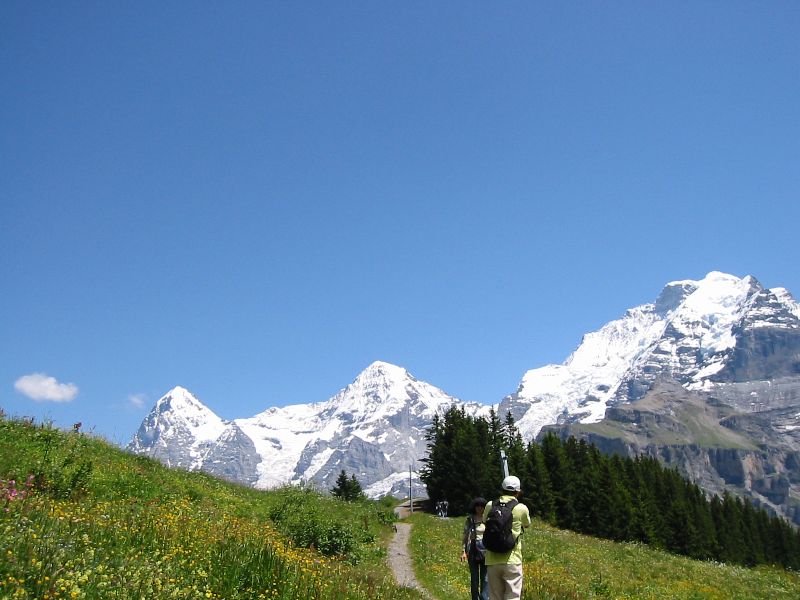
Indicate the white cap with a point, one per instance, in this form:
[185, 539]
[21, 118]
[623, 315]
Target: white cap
[511, 484]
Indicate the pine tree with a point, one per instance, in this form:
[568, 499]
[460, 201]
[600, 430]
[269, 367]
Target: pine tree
[460, 463]
[704, 545]
[536, 485]
[753, 543]
[356, 491]
[348, 489]
[495, 446]
[613, 501]
[729, 530]
[433, 472]
[572, 485]
[560, 475]
[513, 445]
[585, 485]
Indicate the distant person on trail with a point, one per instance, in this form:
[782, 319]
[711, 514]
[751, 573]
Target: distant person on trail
[472, 550]
[505, 520]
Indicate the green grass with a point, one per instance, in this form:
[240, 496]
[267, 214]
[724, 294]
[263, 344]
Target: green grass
[83, 519]
[701, 430]
[565, 565]
[80, 518]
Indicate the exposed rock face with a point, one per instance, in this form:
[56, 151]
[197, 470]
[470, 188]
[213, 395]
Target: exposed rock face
[373, 429]
[706, 378]
[353, 456]
[233, 457]
[722, 333]
[179, 431]
[752, 454]
[762, 354]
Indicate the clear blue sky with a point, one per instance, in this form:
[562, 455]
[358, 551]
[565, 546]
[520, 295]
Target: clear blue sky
[257, 200]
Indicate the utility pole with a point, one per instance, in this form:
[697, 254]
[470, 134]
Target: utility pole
[410, 488]
[504, 462]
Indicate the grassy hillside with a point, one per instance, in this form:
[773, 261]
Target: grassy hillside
[80, 518]
[564, 565]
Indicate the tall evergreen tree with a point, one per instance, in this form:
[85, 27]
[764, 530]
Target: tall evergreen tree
[513, 446]
[435, 466]
[460, 464]
[495, 442]
[559, 471]
[704, 545]
[585, 487]
[644, 524]
[614, 507]
[729, 530]
[574, 486]
[536, 485]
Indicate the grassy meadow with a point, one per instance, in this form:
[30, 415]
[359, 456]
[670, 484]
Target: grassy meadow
[80, 518]
[564, 565]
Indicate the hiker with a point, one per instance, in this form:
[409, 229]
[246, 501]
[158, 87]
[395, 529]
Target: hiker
[472, 550]
[505, 520]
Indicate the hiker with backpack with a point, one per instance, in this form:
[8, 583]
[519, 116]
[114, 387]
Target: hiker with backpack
[472, 550]
[505, 520]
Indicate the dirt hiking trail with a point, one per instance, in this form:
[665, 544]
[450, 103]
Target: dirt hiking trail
[400, 557]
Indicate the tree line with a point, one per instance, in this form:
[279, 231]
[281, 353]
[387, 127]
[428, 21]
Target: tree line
[572, 485]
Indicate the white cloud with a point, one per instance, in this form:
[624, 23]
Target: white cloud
[43, 388]
[137, 401]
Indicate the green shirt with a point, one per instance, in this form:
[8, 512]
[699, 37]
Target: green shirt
[521, 519]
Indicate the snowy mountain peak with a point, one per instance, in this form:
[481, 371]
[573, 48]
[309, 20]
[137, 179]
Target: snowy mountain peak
[694, 333]
[716, 291]
[379, 373]
[786, 299]
[178, 399]
[384, 389]
[720, 292]
[673, 295]
[374, 427]
[180, 427]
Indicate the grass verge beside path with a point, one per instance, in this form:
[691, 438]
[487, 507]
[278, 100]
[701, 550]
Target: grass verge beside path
[81, 519]
[564, 565]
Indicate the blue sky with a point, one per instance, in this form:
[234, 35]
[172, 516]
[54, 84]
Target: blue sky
[257, 200]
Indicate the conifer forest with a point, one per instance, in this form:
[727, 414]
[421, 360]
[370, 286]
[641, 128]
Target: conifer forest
[572, 485]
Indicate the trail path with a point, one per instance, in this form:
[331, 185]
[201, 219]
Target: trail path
[400, 560]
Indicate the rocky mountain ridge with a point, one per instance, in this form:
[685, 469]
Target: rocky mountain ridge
[723, 343]
[754, 454]
[719, 333]
[373, 428]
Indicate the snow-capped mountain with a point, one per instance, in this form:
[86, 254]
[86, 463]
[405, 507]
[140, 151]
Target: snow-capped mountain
[725, 341]
[706, 379]
[721, 333]
[374, 428]
[179, 430]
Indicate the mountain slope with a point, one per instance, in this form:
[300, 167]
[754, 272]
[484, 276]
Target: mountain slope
[373, 428]
[723, 343]
[707, 379]
[179, 430]
[708, 335]
[754, 454]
